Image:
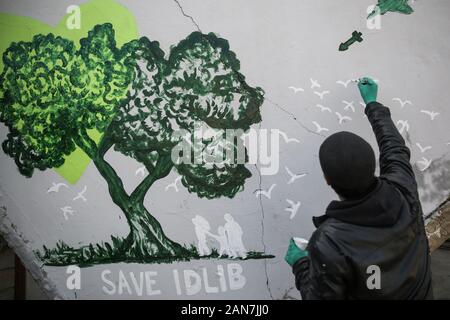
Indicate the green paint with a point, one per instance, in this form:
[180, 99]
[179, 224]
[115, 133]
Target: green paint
[384, 6]
[17, 28]
[105, 253]
[56, 97]
[76, 163]
[356, 37]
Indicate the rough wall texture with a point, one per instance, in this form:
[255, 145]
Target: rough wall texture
[279, 45]
[438, 226]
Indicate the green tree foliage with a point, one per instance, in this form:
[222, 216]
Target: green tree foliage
[199, 83]
[52, 94]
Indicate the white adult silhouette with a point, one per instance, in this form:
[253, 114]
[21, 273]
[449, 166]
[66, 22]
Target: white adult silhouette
[234, 235]
[202, 228]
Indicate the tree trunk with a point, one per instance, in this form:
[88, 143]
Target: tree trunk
[147, 239]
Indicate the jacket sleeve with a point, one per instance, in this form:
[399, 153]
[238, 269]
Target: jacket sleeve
[394, 154]
[324, 274]
[395, 159]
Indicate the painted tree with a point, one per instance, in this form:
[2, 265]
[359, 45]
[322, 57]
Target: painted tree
[53, 94]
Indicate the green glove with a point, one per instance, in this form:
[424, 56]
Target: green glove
[294, 253]
[368, 89]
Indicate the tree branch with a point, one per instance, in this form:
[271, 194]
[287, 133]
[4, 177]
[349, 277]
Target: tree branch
[144, 159]
[86, 144]
[114, 182]
[162, 168]
[105, 143]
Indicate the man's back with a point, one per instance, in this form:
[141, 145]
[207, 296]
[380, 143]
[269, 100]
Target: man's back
[383, 231]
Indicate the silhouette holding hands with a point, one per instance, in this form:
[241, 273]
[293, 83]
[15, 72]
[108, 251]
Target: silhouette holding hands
[202, 228]
[221, 237]
[234, 234]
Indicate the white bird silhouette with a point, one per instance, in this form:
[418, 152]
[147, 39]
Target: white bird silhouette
[432, 114]
[293, 208]
[56, 186]
[425, 163]
[404, 125]
[265, 193]
[319, 129]
[321, 94]
[322, 108]
[66, 211]
[342, 118]
[140, 171]
[296, 89]
[348, 105]
[286, 138]
[293, 175]
[423, 149]
[344, 83]
[173, 185]
[314, 84]
[81, 195]
[402, 103]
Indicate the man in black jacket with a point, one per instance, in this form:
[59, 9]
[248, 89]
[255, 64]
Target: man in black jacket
[371, 244]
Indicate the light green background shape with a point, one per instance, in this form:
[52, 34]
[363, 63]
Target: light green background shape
[18, 28]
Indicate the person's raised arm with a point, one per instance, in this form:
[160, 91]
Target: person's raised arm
[394, 154]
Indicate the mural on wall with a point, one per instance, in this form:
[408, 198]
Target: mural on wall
[385, 6]
[356, 37]
[381, 8]
[100, 108]
[56, 97]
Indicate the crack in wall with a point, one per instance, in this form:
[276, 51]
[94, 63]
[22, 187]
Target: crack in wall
[187, 16]
[263, 232]
[263, 241]
[256, 166]
[301, 124]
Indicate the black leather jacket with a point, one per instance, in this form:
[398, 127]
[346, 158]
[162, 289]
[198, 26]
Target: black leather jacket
[383, 229]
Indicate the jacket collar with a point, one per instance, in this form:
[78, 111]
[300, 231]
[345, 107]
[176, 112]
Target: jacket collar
[380, 207]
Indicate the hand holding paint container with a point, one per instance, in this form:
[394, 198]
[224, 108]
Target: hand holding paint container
[357, 81]
[301, 243]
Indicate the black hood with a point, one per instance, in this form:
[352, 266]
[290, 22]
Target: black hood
[379, 208]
